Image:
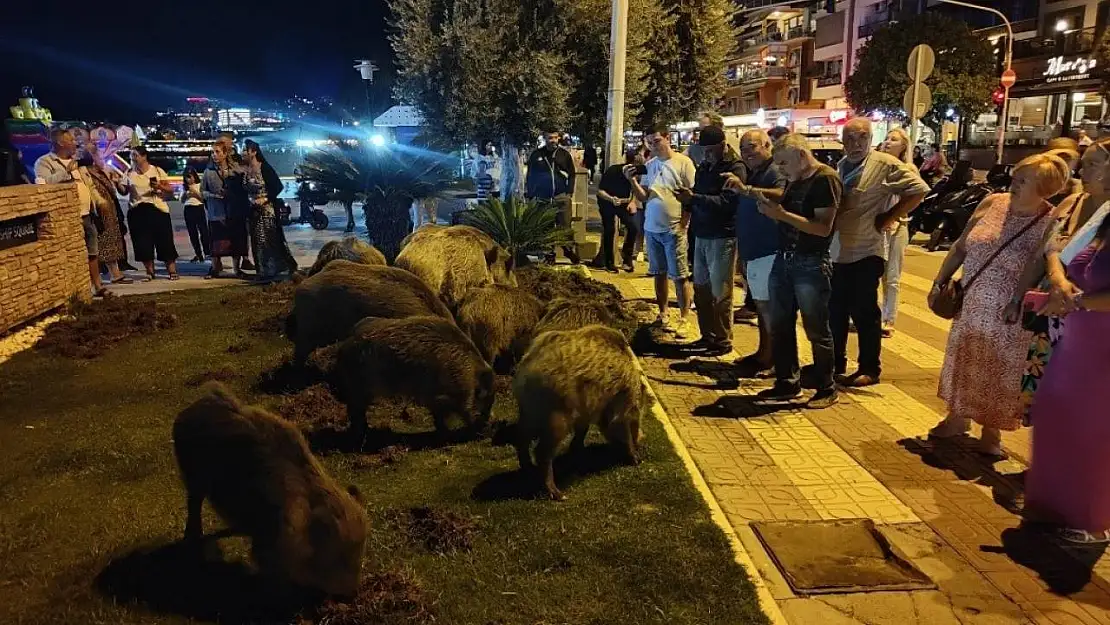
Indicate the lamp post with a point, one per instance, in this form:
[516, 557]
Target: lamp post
[366, 69]
[1007, 76]
[618, 41]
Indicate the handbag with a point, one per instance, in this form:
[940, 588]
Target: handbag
[951, 296]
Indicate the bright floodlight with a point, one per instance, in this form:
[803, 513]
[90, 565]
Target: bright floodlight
[377, 140]
[357, 122]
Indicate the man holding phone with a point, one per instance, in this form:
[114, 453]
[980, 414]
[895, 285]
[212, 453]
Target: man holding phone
[665, 223]
[712, 209]
[801, 276]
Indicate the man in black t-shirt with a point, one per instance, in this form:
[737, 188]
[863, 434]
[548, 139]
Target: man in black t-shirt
[800, 279]
[614, 201]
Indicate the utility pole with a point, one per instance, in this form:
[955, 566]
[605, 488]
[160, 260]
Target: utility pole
[618, 51]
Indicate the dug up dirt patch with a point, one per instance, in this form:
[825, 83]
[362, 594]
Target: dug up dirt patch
[384, 598]
[91, 329]
[438, 531]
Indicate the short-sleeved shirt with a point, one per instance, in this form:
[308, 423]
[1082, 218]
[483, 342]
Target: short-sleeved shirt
[663, 211]
[803, 197]
[869, 189]
[757, 235]
[141, 192]
[614, 183]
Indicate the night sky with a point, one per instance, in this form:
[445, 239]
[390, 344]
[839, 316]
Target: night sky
[119, 61]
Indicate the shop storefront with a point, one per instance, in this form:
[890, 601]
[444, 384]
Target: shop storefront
[1053, 97]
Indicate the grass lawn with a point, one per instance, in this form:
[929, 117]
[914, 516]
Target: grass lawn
[91, 506]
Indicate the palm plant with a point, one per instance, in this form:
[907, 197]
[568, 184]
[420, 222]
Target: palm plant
[520, 226]
[386, 180]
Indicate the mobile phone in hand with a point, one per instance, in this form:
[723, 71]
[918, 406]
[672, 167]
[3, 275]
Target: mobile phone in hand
[1034, 300]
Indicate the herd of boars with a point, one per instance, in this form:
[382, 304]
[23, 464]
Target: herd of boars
[432, 330]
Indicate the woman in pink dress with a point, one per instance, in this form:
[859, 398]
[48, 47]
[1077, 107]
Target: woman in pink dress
[1068, 482]
[985, 358]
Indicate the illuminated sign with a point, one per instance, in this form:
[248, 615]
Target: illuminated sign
[838, 115]
[1060, 69]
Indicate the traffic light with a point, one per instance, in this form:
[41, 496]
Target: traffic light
[998, 97]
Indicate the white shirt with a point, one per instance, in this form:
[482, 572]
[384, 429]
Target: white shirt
[52, 169]
[139, 186]
[192, 200]
[663, 211]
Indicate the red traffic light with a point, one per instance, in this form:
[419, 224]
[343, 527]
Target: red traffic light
[998, 96]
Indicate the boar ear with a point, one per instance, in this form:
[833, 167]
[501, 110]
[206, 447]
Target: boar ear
[353, 491]
[491, 255]
[510, 263]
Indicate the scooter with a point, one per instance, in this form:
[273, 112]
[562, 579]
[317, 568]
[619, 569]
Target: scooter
[956, 209]
[928, 215]
[309, 197]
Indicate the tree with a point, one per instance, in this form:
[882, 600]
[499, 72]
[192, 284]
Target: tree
[1102, 56]
[964, 77]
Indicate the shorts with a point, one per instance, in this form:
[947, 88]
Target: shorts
[758, 274]
[666, 252]
[92, 237]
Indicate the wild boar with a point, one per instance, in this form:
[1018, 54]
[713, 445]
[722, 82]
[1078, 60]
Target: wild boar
[351, 248]
[500, 320]
[452, 260]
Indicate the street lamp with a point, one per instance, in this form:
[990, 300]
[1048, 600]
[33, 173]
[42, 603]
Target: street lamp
[1009, 70]
[366, 69]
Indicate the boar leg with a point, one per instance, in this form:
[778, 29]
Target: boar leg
[523, 442]
[356, 413]
[631, 434]
[545, 453]
[194, 527]
[578, 443]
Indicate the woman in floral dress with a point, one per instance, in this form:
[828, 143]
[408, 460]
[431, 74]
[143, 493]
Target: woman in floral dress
[985, 358]
[272, 255]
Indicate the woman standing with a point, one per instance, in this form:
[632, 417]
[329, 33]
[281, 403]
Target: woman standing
[149, 216]
[227, 232]
[196, 220]
[102, 187]
[985, 356]
[897, 144]
[936, 165]
[272, 255]
[1077, 218]
[1068, 482]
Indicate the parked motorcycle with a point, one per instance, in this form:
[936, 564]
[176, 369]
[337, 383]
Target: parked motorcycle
[928, 215]
[956, 209]
[309, 196]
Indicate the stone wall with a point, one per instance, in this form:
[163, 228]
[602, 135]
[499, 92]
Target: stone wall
[37, 276]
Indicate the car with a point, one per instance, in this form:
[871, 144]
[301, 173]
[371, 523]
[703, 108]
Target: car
[827, 150]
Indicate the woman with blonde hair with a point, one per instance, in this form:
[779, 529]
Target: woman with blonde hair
[985, 357]
[1068, 150]
[897, 144]
[1077, 218]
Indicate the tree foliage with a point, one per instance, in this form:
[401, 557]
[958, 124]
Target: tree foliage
[963, 79]
[1102, 56]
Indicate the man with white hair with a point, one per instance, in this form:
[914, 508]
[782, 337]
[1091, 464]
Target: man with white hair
[757, 238]
[879, 189]
[800, 276]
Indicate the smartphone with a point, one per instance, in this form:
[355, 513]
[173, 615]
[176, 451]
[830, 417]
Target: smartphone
[1034, 300]
[641, 170]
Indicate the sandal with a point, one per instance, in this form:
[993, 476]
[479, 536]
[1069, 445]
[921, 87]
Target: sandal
[174, 277]
[123, 280]
[1083, 537]
[101, 292]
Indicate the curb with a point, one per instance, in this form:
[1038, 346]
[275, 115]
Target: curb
[767, 602]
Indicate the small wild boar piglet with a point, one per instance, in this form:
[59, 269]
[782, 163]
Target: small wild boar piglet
[259, 475]
[570, 380]
[427, 360]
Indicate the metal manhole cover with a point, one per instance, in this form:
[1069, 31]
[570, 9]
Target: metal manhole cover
[821, 557]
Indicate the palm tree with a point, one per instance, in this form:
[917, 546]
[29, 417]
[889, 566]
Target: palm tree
[386, 179]
[522, 227]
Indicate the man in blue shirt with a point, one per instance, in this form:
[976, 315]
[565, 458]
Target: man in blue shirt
[757, 237]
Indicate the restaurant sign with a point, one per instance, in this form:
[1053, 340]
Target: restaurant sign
[1062, 69]
[18, 231]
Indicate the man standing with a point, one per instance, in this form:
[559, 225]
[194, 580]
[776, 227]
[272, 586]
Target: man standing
[614, 202]
[712, 211]
[665, 223]
[757, 238]
[550, 178]
[59, 166]
[709, 119]
[800, 276]
[873, 182]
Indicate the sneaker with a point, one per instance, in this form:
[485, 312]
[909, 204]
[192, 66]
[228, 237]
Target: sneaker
[663, 323]
[823, 399]
[781, 391]
[744, 314]
[612, 270]
[682, 329]
[246, 265]
[628, 267]
[857, 380]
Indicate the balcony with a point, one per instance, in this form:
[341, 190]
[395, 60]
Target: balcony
[1060, 44]
[828, 81]
[798, 32]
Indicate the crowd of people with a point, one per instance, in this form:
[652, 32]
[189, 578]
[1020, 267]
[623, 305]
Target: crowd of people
[229, 210]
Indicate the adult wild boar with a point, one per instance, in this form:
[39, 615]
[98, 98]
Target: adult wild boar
[351, 248]
[500, 320]
[570, 380]
[452, 260]
[259, 475]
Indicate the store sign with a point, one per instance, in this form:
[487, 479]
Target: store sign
[18, 231]
[1061, 69]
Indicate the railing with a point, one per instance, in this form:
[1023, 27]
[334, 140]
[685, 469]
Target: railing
[867, 29]
[763, 73]
[828, 81]
[1073, 42]
[797, 32]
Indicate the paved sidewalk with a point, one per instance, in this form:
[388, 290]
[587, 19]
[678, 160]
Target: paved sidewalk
[943, 506]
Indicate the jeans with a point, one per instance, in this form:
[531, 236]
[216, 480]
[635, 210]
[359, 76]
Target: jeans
[609, 216]
[855, 294]
[639, 219]
[666, 252]
[196, 220]
[801, 282]
[714, 271]
[892, 278]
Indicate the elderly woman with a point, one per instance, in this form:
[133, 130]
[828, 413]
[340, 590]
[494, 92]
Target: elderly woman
[897, 144]
[1077, 218]
[985, 357]
[1068, 482]
[227, 228]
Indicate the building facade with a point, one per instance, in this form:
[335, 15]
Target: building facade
[768, 70]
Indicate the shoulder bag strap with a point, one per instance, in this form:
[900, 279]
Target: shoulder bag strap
[993, 256]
